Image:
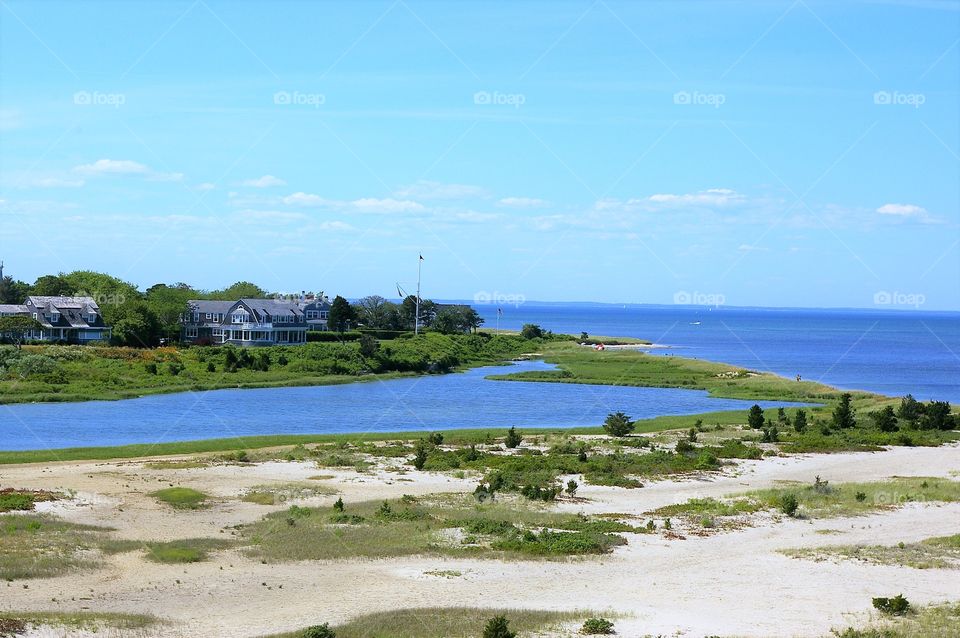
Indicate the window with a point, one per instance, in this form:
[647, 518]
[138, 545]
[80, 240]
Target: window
[323, 314]
[217, 332]
[191, 333]
[92, 318]
[239, 317]
[209, 316]
[312, 314]
[54, 317]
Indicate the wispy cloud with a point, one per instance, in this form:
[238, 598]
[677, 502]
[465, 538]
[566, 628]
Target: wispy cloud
[903, 210]
[424, 189]
[110, 167]
[264, 181]
[522, 202]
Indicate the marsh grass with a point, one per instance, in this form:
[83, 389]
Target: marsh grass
[709, 507]
[932, 553]
[177, 464]
[279, 494]
[40, 546]
[829, 500]
[933, 621]
[449, 525]
[80, 620]
[184, 550]
[182, 498]
[450, 622]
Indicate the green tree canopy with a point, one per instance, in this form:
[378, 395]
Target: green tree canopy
[16, 327]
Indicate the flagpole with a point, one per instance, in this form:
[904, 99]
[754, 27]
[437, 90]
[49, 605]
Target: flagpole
[498, 321]
[416, 320]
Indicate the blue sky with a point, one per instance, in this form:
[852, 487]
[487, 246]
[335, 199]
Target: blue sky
[759, 153]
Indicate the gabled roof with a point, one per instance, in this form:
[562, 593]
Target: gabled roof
[62, 302]
[272, 307]
[12, 308]
[210, 306]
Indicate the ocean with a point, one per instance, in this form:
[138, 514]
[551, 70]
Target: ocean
[885, 351]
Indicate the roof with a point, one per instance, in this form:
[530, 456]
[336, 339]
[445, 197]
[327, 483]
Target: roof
[63, 302]
[12, 308]
[272, 306]
[210, 306]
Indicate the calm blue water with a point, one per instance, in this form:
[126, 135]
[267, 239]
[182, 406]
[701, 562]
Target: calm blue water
[439, 402]
[891, 352]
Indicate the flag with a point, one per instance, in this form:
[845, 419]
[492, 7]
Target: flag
[400, 292]
[499, 312]
[421, 257]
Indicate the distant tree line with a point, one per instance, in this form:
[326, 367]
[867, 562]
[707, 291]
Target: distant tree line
[144, 318]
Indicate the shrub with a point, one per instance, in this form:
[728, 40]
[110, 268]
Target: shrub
[498, 627]
[436, 438]
[844, 415]
[572, 487]
[800, 421]
[531, 331]
[885, 419]
[319, 631]
[618, 424]
[789, 504]
[150, 367]
[420, 455]
[513, 438]
[211, 366]
[755, 417]
[597, 626]
[338, 505]
[174, 368]
[684, 446]
[896, 606]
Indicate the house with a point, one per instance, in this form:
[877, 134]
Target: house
[246, 322]
[66, 319]
[317, 311]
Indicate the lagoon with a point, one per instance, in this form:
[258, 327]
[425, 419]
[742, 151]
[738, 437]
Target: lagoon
[432, 402]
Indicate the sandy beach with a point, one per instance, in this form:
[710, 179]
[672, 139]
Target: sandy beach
[728, 583]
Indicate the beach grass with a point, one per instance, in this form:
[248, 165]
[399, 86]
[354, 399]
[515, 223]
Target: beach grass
[941, 552]
[449, 622]
[17, 622]
[40, 546]
[437, 525]
[182, 498]
[281, 493]
[184, 550]
[930, 621]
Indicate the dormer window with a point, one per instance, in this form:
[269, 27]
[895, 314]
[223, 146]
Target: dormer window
[239, 317]
[92, 317]
[54, 317]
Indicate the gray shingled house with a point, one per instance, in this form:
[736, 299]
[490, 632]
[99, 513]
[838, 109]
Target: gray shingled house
[247, 322]
[65, 319]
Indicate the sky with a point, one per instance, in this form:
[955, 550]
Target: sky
[796, 153]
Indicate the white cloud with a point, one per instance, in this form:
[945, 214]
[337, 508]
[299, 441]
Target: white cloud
[205, 186]
[388, 205]
[902, 210]
[522, 202]
[275, 216]
[264, 181]
[305, 199]
[112, 167]
[709, 197]
[57, 182]
[435, 190]
[749, 248]
[107, 167]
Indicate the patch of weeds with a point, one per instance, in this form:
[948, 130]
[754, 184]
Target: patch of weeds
[183, 498]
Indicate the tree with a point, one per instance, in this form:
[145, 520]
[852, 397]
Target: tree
[800, 421]
[498, 627]
[16, 327]
[341, 315]
[239, 290]
[51, 285]
[447, 321]
[844, 415]
[572, 487]
[755, 417]
[618, 424]
[531, 331]
[936, 416]
[134, 325]
[885, 419]
[910, 409]
[13, 291]
[374, 312]
[513, 438]
[368, 345]
[168, 303]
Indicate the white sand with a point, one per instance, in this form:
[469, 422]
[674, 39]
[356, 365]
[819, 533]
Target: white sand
[726, 584]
